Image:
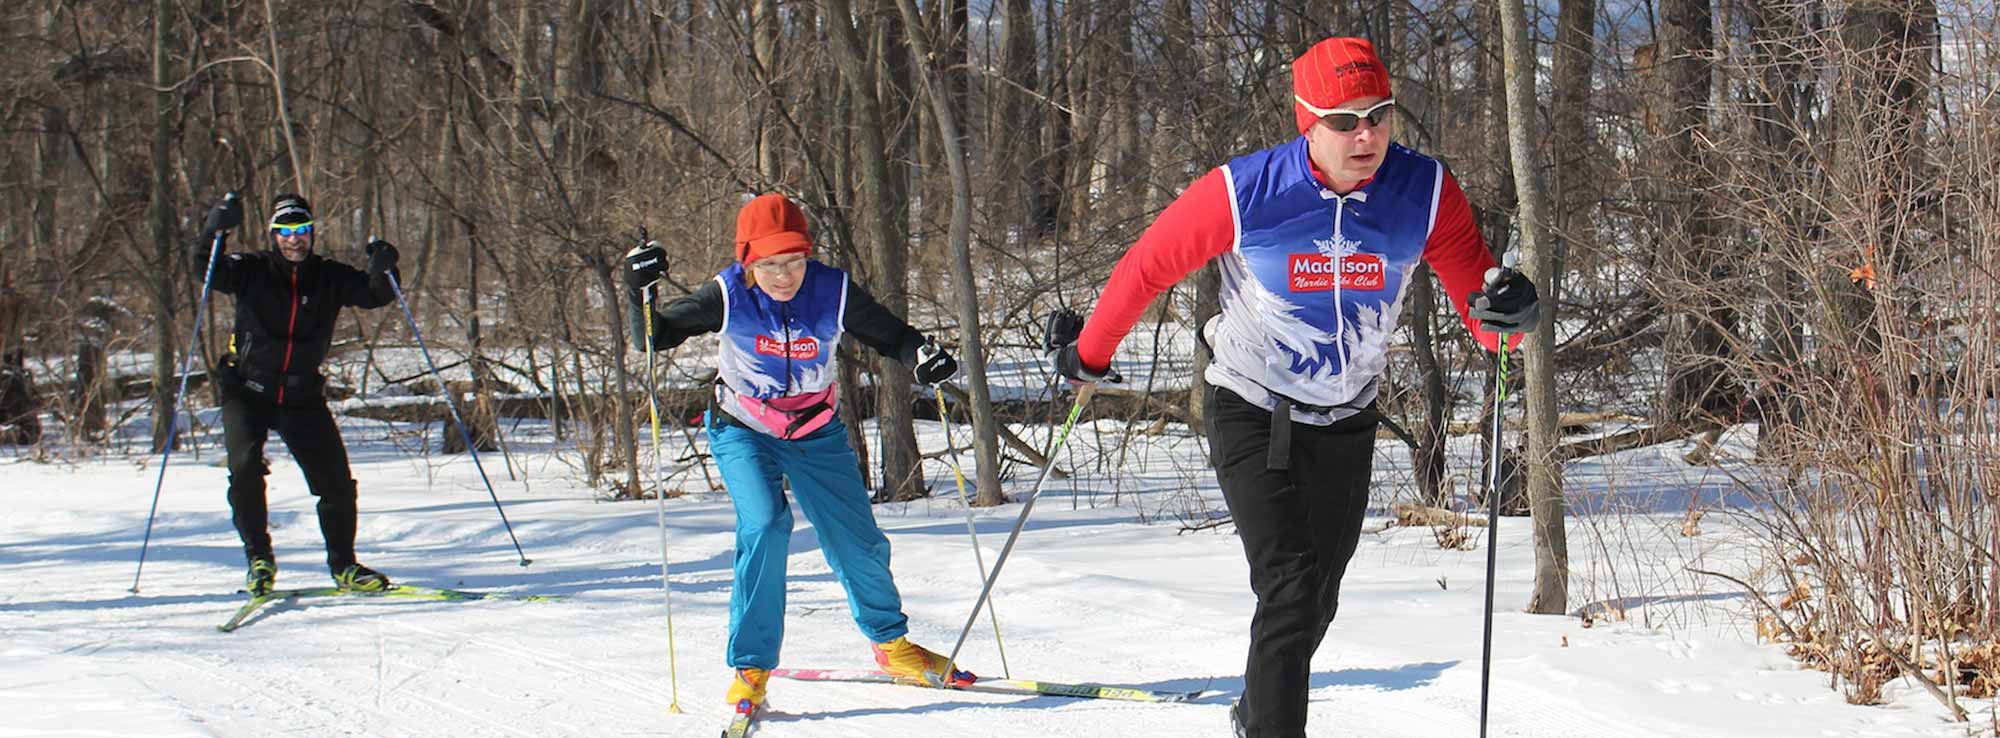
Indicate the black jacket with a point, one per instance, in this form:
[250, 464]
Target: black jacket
[865, 319]
[286, 313]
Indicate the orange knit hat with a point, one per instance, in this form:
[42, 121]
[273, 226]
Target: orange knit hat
[769, 225]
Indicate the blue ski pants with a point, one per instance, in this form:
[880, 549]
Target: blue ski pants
[827, 484]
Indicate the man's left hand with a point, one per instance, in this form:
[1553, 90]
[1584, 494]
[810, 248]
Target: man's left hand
[381, 256]
[1507, 303]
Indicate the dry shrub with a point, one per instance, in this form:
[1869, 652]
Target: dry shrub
[1978, 671]
[1863, 331]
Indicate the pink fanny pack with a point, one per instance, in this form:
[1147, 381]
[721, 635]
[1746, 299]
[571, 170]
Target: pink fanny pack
[793, 416]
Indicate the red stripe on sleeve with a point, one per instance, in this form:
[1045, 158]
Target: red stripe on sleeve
[1457, 253]
[1198, 226]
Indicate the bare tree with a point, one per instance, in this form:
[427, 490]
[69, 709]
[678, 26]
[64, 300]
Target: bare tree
[1545, 495]
[1701, 321]
[986, 444]
[160, 216]
[885, 215]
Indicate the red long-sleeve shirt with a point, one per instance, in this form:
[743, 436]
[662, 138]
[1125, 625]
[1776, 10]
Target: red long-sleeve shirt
[1200, 225]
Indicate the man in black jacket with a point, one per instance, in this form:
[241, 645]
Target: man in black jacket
[288, 300]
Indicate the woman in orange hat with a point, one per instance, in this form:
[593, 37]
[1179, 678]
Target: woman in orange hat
[780, 314]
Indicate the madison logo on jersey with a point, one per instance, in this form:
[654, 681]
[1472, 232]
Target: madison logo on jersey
[802, 348]
[1315, 272]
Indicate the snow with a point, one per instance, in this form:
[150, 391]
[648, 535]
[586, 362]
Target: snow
[1103, 586]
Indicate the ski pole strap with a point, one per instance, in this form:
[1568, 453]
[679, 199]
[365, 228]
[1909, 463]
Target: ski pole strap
[1404, 435]
[1279, 457]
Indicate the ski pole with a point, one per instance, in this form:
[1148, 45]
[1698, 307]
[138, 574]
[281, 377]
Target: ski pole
[979, 555]
[1076, 406]
[173, 403]
[660, 498]
[1492, 531]
[452, 403]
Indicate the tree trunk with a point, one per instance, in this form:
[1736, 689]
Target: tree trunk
[623, 417]
[1198, 57]
[1883, 94]
[1126, 169]
[161, 216]
[1056, 153]
[1207, 303]
[593, 172]
[764, 22]
[885, 220]
[20, 421]
[90, 392]
[848, 364]
[895, 397]
[1545, 495]
[1574, 143]
[1699, 389]
[986, 441]
[1497, 173]
[1080, 95]
[1012, 139]
[1788, 89]
[1429, 456]
[485, 430]
[49, 156]
[437, 227]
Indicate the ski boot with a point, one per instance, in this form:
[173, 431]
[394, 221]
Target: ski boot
[358, 578]
[748, 687]
[262, 578]
[1236, 719]
[908, 660]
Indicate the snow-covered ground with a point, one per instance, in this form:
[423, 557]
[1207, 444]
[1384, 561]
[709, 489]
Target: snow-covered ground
[1102, 587]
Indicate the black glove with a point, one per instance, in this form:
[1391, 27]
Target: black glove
[381, 256]
[1059, 336]
[1507, 304]
[224, 216]
[1070, 364]
[934, 364]
[644, 265]
[1063, 327]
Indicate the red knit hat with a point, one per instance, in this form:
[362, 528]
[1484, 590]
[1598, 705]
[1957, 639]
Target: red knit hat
[769, 225]
[1335, 71]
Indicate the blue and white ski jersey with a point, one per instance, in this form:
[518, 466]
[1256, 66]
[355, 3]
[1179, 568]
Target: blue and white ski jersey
[1312, 289]
[775, 359]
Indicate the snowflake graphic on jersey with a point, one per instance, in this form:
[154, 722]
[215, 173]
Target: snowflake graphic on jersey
[1337, 247]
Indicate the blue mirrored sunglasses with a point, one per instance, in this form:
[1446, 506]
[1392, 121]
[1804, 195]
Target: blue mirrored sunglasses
[293, 229]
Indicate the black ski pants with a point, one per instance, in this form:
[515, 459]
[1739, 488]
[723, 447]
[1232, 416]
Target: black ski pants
[1299, 527]
[309, 432]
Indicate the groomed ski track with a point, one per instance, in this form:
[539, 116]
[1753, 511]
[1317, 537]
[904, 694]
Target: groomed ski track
[1091, 595]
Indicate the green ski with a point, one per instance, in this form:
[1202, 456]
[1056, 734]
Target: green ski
[401, 591]
[998, 686]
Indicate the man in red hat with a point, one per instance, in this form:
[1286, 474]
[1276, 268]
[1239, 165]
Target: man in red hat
[1317, 239]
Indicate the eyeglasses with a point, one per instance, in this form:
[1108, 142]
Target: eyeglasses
[778, 267]
[292, 229]
[1344, 120]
